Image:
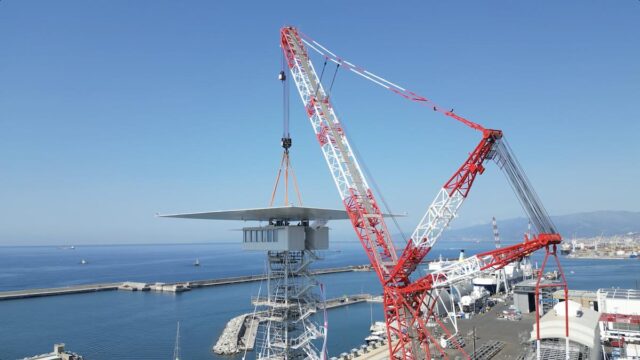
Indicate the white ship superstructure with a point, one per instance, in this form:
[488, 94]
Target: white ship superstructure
[437, 265]
[502, 280]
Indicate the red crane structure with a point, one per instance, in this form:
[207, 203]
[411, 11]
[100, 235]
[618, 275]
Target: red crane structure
[409, 298]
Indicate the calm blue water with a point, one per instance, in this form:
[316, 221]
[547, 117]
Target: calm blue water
[32, 267]
[127, 325]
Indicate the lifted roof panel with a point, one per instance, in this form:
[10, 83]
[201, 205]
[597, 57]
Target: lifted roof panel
[291, 213]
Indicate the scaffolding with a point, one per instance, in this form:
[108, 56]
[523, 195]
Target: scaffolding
[289, 331]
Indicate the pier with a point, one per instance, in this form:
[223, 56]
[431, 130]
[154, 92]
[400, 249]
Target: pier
[160, 287]
[252, 278]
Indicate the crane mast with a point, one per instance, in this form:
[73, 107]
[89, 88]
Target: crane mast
[409, 304]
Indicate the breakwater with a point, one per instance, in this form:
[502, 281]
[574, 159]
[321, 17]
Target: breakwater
[166, 287]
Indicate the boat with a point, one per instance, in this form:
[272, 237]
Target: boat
[378, 332]
[565, 249]
[378, 327]
[437, 265]
[496, 281]
[373, 338]
[197, 262]
[551, 275]
[83, 262]
[474, 302]
[176, 349]
[488, 281]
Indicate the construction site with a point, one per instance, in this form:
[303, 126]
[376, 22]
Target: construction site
[246, 180]
[490, 305]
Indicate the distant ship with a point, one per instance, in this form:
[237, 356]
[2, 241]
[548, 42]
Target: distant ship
[565, 249]
[500, 280]
[197, 262]
[378, 332]
[494, 281]
[437, 265]
[83, 262]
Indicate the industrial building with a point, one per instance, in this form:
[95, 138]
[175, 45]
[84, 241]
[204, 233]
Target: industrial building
[619, 301]
[524, 295]
[586, 298]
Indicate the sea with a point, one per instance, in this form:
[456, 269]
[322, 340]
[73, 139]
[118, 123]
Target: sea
[142, 325]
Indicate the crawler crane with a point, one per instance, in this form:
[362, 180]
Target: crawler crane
[409, 297]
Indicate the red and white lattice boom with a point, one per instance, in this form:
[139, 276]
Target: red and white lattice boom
[409, 299]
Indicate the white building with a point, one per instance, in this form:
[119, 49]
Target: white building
[620, 321]
[619, 301]
[584, 334]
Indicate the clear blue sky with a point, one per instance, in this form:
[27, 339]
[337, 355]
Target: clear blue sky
[111, 111]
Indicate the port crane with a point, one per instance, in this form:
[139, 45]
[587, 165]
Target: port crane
[409, 298]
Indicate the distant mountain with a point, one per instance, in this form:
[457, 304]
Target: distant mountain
[586, 224]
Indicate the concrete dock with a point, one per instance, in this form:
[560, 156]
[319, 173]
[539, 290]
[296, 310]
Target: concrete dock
[165, 287]
[351, 299]
[252, 278]
[488, 327]
[332, 303]
[373, 351]
[495, 339]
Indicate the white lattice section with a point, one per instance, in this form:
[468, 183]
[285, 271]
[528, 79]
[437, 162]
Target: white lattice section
[461, 270]
[457, 271]
[442, 210]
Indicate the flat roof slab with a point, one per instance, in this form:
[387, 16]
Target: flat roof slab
[290, 213]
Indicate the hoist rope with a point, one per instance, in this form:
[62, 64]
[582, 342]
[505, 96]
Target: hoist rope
[324, 66]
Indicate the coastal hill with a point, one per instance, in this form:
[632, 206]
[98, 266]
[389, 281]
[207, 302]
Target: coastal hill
[587, 224]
